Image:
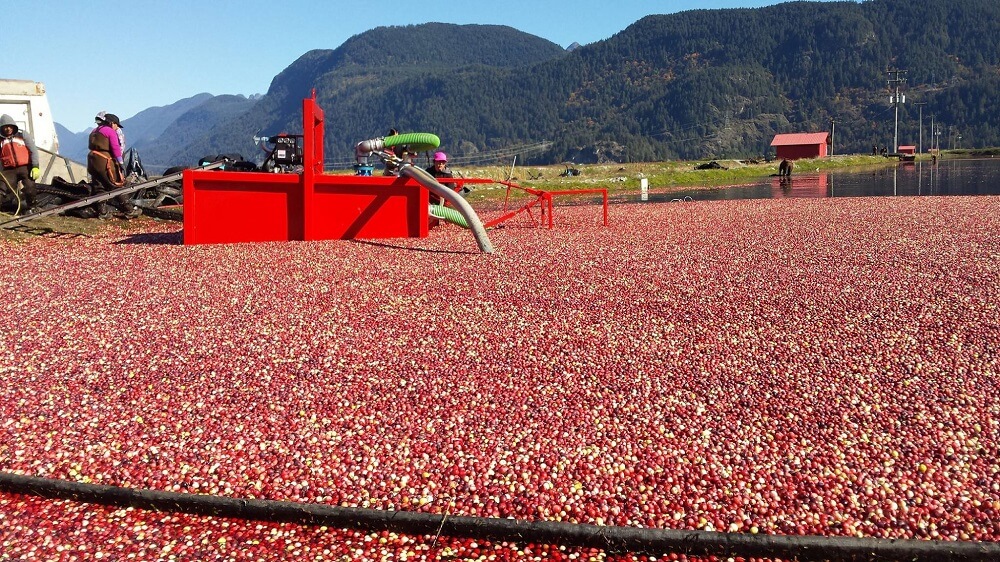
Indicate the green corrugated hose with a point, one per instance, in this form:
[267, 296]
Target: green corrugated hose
[418, 142]
[448, 214]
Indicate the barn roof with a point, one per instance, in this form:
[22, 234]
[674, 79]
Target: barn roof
[788, 139]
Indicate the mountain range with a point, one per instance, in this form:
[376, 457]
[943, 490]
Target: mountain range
[695, 84]
[156, 131]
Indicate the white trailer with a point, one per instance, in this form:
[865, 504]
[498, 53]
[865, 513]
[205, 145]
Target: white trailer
[26, 102]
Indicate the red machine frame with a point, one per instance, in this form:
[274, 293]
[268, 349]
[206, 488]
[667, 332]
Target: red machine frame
[227, 206]
[224, 206]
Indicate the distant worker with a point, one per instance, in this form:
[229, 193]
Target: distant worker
[439, 166]
[439, 169]
[105, 166]
[101, 117]
[20, 160]
[785, 168]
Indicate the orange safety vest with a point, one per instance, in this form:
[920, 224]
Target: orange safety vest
[14, 152]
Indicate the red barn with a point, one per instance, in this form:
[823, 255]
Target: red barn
[907, 149]
[793, 146]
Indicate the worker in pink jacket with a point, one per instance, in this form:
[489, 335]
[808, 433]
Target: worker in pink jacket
[105, 165]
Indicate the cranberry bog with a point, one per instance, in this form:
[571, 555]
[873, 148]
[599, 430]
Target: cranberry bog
[779, 368]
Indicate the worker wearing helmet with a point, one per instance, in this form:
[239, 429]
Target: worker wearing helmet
[439, 166]
[20, 161]
[439, 169]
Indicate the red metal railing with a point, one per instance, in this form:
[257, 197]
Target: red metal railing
[544, 201]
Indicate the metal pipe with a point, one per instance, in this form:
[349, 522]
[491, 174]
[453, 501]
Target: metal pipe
[365, 148]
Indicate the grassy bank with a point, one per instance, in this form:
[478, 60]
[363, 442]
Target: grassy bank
[972, 153]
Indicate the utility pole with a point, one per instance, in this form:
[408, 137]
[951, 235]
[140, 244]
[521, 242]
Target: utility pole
[895, 80]
[933, 134]
[921, 105]
[833, 133]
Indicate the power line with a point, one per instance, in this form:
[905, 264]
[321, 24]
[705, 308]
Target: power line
[688, 127]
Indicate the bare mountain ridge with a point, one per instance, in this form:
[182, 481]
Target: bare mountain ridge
[143, 129]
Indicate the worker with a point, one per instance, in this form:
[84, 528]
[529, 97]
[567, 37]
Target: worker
[439, 166]
[20, 161]
[105, 166]
[101, 118]
[439, 169]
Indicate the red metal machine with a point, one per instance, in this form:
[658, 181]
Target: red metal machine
[221, 207]
[238, 206]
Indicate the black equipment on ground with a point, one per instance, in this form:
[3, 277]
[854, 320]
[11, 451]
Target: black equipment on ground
[86, 200]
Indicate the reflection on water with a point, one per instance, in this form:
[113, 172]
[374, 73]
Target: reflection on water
[947, 177]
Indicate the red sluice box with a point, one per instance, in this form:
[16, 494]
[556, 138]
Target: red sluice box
[226, 207]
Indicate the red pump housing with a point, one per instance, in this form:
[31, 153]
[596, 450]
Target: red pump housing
[227, 206]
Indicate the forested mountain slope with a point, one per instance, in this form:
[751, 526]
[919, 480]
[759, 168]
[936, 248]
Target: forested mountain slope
[696, 84]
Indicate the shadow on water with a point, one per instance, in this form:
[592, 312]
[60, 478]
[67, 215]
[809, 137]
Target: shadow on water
[947, 177]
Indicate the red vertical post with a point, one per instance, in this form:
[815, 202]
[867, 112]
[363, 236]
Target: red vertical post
[604, 198]
[187, 182]
[313, 120]
[312, 160]
[548, 200]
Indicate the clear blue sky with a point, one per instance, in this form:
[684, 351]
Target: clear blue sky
[126, 56]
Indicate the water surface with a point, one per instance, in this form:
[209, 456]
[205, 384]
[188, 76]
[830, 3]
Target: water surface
[946, 177]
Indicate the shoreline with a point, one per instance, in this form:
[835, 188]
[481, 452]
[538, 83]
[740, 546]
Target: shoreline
[663, 178]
